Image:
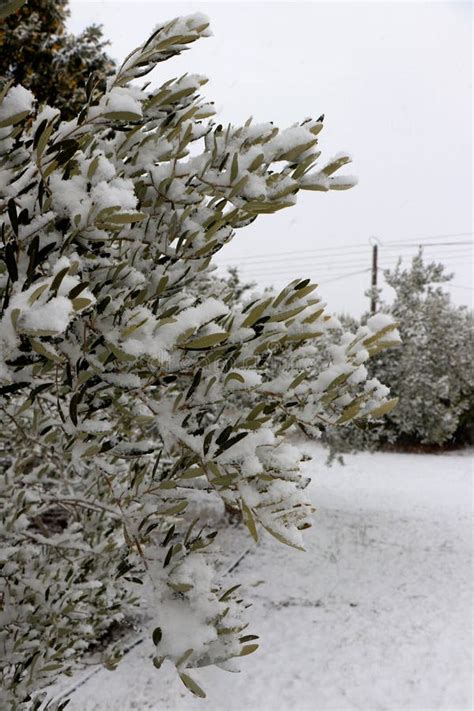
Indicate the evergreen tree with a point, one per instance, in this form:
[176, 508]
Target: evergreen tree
[37, 52]
[432, 374]
[133, 390]
[234, 285]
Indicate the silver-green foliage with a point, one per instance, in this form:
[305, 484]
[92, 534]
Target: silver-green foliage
[132, 386]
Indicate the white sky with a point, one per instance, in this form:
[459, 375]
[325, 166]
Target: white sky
[394, 80]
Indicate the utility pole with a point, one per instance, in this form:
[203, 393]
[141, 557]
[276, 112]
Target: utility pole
[373, 295]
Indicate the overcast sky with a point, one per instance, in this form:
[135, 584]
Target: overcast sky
[394, 80]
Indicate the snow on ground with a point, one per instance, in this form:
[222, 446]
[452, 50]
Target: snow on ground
[376, 615]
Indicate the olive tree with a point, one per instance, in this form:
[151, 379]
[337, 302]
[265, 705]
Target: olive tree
[133, 386]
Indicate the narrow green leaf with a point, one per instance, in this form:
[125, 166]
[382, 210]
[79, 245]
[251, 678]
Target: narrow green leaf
[349, 412]
[294, 153]
[184, 658]
[234, 171]
[37, 293]
[192, 686]
[56, 283]
[14, 119]
[76, 290]
[204, 342]
[257, 162]
[256, 313]
[43, 140]
[280, 537]
[234, 376]
[44, 350]
[13, 215]
[230, 442]
[249, 521]
[123, 116]
[14, 316]
[125, 218]
[157, 635]
[383, 331]
[229, 592]
[73, 408]
[80, 303]
[92, 167]
[248, 649]
[334, 165]
[383, 409]
[10, 261]
[192, 473]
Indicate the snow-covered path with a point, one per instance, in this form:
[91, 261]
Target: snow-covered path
[376, 615]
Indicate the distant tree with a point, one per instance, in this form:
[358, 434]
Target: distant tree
[431, 373]
[237, 288]
[37, 52]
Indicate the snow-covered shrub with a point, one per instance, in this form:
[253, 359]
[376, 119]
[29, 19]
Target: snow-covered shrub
[431, 374]
[132, 384]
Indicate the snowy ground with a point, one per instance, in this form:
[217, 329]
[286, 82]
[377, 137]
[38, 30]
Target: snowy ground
[376, 615]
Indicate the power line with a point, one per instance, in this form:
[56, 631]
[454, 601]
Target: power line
[313, 273]
[323, 266]
[452, 234]
[362, 245]
[349, 249]
[433, 257]
[351, 259]
[412, 245]
[344, 276]
[364, 271]
[274, 255]
[328, 259]
[268, 269]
